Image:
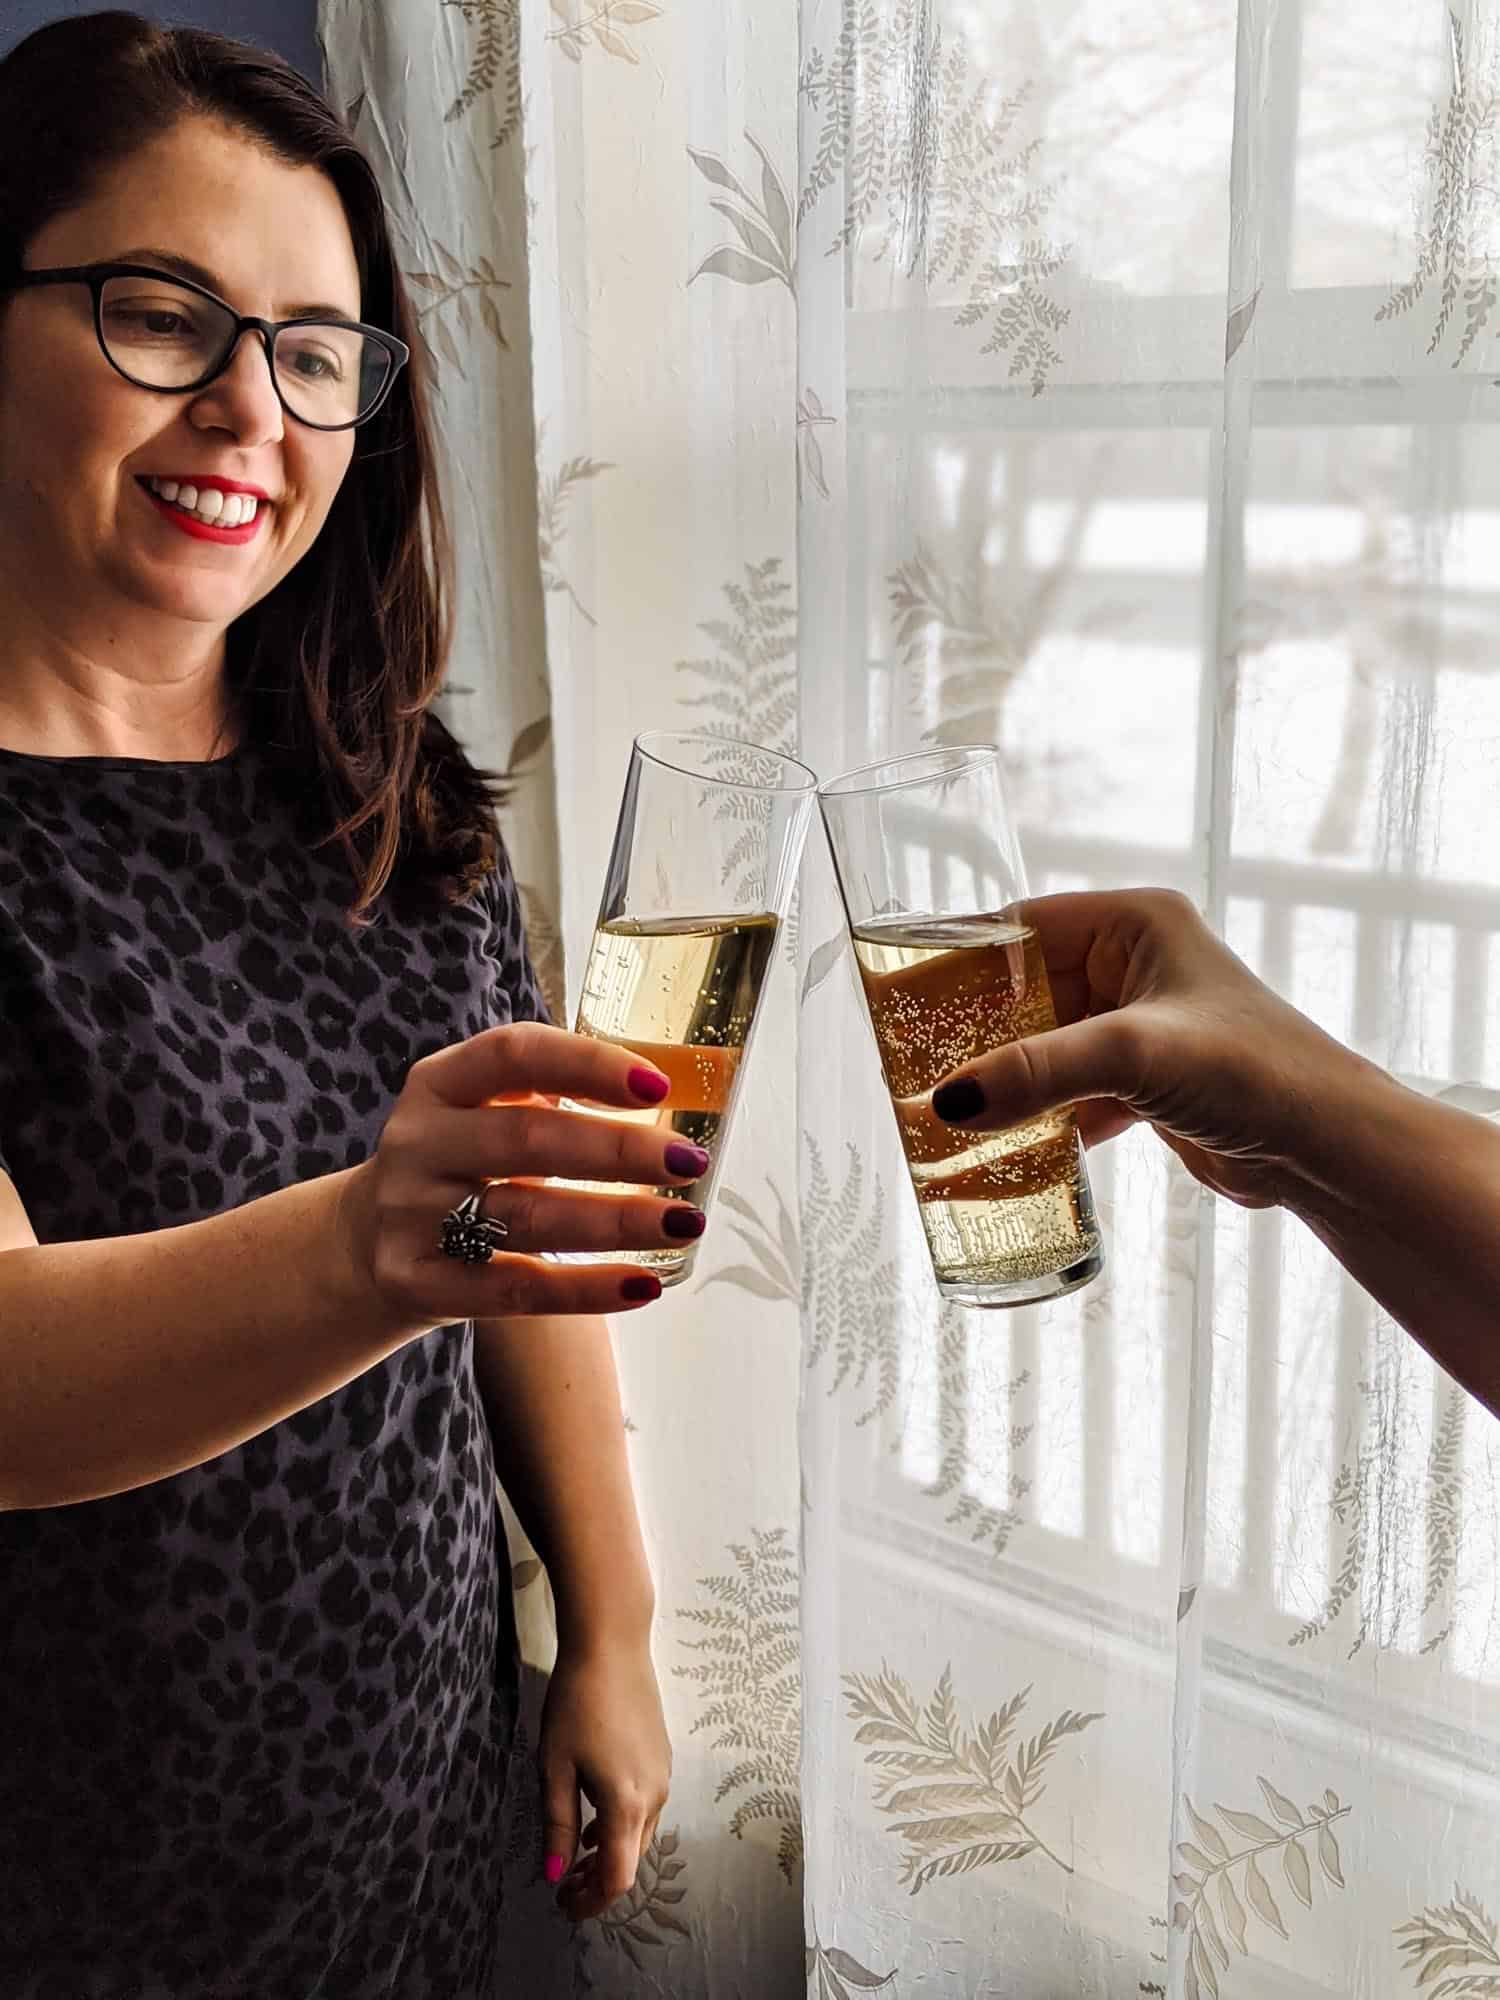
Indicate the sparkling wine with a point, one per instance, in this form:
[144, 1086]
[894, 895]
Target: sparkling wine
[683, 994]
[998, 1207]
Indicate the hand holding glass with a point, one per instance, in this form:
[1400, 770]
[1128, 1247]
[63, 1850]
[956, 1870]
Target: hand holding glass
[700, 878]
[930, 875]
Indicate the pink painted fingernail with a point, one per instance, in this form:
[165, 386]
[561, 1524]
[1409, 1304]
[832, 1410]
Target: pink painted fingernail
[648, 1084]
[641, 1291]
[555, 1869]
[686, 1160]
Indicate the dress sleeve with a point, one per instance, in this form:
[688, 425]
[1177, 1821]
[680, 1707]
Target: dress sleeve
[515, 975]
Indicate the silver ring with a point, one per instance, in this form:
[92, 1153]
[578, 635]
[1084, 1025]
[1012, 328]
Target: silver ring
[470, 1237]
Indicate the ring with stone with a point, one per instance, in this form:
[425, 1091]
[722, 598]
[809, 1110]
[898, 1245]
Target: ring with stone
[469, 1236]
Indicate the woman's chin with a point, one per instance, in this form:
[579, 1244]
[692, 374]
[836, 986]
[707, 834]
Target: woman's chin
[177, 593]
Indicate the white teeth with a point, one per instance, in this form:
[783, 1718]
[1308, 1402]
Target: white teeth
[215, 509]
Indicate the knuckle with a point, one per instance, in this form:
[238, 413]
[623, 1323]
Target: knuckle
[1129, 1043]
[401, 1129]
[1033, 1065]
[627, 1225]
[519, 1211]
[524, 1134]
[1172, 905]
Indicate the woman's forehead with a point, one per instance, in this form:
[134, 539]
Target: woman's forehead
[225, 211]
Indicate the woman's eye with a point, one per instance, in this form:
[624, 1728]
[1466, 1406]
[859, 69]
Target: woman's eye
[316, 365]
[160, 322]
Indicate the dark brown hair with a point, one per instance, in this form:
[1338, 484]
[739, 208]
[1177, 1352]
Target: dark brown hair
[335, 671]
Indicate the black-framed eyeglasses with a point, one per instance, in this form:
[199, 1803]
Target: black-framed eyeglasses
[173, 336]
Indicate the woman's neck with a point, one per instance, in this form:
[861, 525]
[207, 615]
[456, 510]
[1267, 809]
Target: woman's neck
[67, 694]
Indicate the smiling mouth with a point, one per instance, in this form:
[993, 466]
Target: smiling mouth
[209, 507]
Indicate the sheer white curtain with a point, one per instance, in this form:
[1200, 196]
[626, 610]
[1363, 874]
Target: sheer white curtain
[1114, 381]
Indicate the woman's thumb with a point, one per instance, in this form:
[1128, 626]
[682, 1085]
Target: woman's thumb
[1094, 1058]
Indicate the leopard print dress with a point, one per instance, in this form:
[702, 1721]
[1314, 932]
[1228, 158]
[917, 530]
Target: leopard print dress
[254, 1718]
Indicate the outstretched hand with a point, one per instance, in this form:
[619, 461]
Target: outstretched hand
[1159, 1022]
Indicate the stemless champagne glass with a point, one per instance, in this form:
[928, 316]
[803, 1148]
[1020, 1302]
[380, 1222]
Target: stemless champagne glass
[700, 879]
[930, 873]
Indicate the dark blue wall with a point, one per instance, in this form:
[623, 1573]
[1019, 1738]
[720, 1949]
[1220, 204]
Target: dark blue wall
[284, 25]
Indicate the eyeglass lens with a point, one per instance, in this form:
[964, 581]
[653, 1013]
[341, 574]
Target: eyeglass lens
[166, 337]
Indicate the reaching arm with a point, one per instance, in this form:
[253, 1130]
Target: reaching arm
[1159, 1021]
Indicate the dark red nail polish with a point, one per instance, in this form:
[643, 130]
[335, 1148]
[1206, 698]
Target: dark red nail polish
[958, 1100]
[686, 1161]
[641, 1291]
[683, 1221]
[648, 1085]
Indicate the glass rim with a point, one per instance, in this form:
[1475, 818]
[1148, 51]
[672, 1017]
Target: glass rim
[645, 745]
[945, 761]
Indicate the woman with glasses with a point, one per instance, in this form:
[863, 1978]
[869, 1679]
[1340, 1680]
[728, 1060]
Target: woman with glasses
[278, 1106]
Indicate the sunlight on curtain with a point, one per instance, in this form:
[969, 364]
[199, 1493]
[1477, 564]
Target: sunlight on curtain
[1113, 382]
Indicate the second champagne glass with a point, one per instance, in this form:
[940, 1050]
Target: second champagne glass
[930, 873]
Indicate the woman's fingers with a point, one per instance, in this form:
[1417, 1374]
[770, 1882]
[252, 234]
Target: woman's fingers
[519, 1287]
[537, 1141]
[528, 1057]
[553, 1218]
[609, 1871]
[560, 1805]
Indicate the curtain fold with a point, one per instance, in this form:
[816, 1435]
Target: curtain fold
[1115, 383]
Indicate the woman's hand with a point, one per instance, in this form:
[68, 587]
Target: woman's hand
[603, 1737]
[1158, 1020]
[485, 1110]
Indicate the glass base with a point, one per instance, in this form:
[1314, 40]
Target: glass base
[1031, 1291]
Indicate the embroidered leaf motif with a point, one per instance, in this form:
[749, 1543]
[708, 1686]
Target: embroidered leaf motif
[494, 63]
[964, 642]
[1460, 1937]
[1238, 325]
[823, 961]
[843, 1271]
[1391, 1480]
[811, 417]
[933, 179]
[1005, 1788]
[763, 223]
[1206, 1889]
[840, 1975]
[749, 1683]
[464, 288]
[646, 1916]
[555, 493]
[1461, 157]
[601, 26]
[749, 693]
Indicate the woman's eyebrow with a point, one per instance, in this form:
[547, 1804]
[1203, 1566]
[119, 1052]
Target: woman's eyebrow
[199, 274]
